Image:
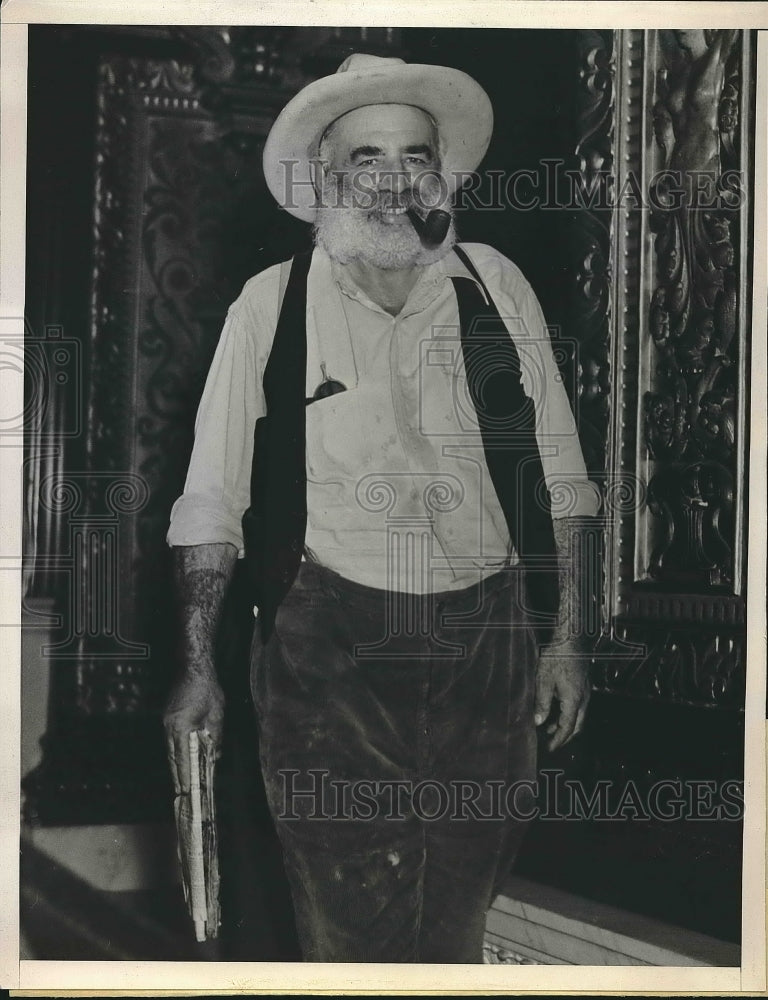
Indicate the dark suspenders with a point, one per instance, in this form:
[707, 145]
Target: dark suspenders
[507, 420]
[274, 526]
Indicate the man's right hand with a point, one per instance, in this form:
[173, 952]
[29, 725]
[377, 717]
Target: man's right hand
[196, 703]
[201, 575]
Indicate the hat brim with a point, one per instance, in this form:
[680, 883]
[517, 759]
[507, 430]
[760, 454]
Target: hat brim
[458, 104]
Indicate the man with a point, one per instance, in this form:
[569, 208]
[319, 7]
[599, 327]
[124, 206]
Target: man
[412, 437]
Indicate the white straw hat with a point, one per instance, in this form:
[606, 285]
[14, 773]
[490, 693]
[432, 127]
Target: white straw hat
[458, 104]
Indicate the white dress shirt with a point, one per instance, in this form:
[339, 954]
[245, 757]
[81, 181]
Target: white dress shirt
[398, 492]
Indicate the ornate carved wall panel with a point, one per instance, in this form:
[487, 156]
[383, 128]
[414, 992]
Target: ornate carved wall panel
[661, 316]
[143, 352]
[675, 538]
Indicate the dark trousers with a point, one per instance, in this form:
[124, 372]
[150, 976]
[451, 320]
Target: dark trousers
[393, 730]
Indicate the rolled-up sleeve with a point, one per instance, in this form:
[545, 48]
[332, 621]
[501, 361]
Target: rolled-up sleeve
[217, 488]
[571, 491]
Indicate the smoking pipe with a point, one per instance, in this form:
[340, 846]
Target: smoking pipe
[432, 230]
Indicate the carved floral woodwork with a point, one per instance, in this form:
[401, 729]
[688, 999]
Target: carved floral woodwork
[139, 405]
[674, 494]
[591, 299]
[690, 409]
[680, 665]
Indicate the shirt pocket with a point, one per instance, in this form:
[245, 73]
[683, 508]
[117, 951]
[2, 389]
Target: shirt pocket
[335, 443]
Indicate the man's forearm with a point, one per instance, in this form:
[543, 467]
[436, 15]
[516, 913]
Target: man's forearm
[562, 672]
[576, 590]
[202, 574]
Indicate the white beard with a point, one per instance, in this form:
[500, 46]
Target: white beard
[355, 234]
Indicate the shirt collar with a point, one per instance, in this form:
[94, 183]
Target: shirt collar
[430, 282]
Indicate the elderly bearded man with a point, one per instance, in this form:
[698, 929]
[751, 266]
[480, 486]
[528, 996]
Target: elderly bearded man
[394, 508]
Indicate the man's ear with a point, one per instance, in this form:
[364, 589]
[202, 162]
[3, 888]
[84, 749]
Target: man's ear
[318, 169]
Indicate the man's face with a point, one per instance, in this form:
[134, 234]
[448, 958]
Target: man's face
[384, 157]
[378, 161]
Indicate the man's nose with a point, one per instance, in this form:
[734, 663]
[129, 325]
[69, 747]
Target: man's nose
[394, 180]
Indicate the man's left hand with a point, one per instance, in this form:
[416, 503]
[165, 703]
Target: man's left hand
[565, 678]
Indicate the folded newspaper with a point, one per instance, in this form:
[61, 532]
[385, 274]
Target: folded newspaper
[196, 831]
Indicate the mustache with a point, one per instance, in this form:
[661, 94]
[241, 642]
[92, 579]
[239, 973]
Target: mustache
[373, 201]
[388, 200]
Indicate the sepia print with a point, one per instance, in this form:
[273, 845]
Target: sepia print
[464, 624]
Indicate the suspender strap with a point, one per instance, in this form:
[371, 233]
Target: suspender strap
[507, 421]
[465, 260]
[275, 525]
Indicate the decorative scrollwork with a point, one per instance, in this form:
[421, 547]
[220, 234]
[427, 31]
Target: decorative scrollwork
[690, 408]
[595, 116]
[695, 504]
[229, 60]
[212, 45]
[666, 416]
[702, 667]
[591, 298]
